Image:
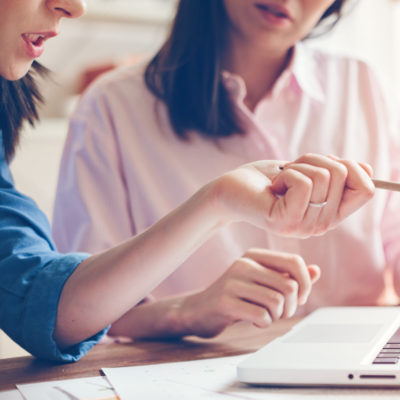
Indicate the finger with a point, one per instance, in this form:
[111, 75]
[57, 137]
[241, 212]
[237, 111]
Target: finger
[269, 168]
[291, 264]
[338, 175]
[357, 176]
[320, 178]
[315, 273]
[244, 311]
[274, 290]
[263, 296]
[365, 166]
[296, 189]
[358, 190]
[320, 185]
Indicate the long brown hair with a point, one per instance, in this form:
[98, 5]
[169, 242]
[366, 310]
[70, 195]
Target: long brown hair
[18, 103]
[186, 72]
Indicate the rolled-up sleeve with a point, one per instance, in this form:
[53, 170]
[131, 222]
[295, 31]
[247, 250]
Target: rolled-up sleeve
[32, 276]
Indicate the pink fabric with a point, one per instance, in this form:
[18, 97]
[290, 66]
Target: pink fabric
[123, 169]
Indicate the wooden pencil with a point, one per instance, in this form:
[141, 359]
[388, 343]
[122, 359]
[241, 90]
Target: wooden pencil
[387, 185]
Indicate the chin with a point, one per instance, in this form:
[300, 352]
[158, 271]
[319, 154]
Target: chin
[16, 71]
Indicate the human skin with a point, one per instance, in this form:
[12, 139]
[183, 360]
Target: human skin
[105, 287]
[22, 23]
[259, 45]
[261, 286]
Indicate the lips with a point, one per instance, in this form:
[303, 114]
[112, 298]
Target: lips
[35, 39]
[274, 9]
[34, 42]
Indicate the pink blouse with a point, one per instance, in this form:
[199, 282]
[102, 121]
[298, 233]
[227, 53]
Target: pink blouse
[123, 168]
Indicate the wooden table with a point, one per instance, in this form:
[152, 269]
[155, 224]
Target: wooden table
[238, 339]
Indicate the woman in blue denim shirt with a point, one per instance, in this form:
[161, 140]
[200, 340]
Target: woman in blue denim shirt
[57, 306]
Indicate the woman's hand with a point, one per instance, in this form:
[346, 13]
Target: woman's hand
[260, 287]
[306, 197]
[258, 193]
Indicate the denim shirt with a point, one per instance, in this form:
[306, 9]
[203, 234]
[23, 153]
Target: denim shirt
[32, 274]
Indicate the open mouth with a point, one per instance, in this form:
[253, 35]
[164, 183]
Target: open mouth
[34, 43]
[275, 10]
[36, 39]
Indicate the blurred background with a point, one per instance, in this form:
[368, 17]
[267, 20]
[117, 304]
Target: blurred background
[115, 32]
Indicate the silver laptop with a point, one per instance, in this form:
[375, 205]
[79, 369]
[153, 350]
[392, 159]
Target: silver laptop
[334, 346]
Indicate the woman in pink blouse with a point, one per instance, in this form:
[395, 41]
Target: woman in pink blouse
[234, 83]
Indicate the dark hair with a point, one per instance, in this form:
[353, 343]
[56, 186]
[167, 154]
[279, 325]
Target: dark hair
[18, 103]
[186, 72]
[329, 19]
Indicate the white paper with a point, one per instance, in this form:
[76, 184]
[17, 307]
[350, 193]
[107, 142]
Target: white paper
[11, 395]
[96, 388]
[216, 379]
[201, 379]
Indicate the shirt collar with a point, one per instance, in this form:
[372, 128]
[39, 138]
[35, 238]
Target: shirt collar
[235, 85]
[302, 69]
[305, 70]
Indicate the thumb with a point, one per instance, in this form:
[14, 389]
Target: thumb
[315, 272]
[367, 168]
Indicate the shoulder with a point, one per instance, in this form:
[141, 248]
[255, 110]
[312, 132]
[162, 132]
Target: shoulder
[120, 78]
[331, 65]
[117, 90]
[357, 85]
[118, 107]
[342, 76]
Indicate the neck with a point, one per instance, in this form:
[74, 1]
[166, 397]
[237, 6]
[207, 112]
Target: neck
[257, 66]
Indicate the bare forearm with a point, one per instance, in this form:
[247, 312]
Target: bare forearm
[106, 286]
[160, 319]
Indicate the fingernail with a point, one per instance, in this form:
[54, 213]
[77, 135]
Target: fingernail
[292, 311]
[267, 318]
[282, 166]
[303, 299]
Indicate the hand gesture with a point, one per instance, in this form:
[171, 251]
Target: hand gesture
[260, 287]
[306, 197]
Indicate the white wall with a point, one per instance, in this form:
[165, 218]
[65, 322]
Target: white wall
[87, 42]
[371, 31]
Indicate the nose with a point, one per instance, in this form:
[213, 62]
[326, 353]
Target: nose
[68, 8]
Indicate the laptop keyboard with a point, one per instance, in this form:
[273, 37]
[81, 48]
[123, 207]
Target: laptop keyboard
[390, 353]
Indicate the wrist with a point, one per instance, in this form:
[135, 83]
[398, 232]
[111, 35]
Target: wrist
[220, 200]
[211, 200]
[179, 318]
